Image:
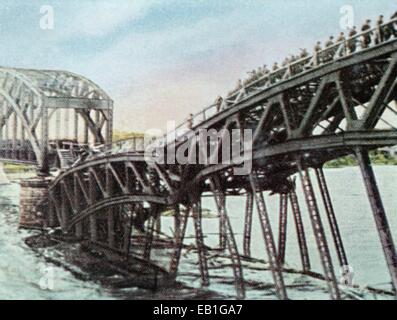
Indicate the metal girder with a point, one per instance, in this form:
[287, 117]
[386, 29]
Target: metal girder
[249, 206]
[342, 141]
[340, 250]
[282, 227]
[381, 96]
[29, 95]
[220, 201]
[379, 213]
[269, 240]
[77, 103]
[319, 232]
[103, 204]
[285, 111]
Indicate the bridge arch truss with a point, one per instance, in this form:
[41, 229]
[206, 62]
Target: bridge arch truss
[39, 108]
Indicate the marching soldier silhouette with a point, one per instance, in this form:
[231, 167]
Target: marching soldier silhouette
[366, 39]
[218, 103]
[380, 35]
[394, 25]
[352, 42]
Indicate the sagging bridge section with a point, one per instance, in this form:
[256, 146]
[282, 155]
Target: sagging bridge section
[338, 102]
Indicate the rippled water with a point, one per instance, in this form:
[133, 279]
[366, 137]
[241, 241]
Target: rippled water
[24, 274]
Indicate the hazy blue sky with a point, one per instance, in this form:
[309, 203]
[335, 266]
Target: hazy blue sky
[162, 59]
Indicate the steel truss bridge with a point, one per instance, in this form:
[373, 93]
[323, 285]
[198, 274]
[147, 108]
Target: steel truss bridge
[45, 113]
[336, 103]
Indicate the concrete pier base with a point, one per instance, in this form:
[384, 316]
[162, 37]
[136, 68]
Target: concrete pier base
[32, 194]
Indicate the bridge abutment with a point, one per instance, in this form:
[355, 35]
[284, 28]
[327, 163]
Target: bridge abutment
[31, 211]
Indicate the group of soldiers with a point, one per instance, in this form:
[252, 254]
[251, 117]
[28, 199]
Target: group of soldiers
[382, 33]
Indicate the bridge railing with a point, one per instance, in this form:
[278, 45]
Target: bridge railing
[348, 47]
[19, 150]
[132, 144]
[337, 51]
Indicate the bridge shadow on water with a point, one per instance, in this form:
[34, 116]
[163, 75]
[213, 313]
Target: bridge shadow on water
[80, 274]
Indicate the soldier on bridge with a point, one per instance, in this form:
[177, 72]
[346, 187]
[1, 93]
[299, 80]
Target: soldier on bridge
[317, 49]
[341, 39]
[352, 44]
[304, 53]
[380, 32]
[190, 121]
[329, 44]
[265, 69]
[366, 40]
[218, 103]
[394, 26]
[238, 87]
[285, 62]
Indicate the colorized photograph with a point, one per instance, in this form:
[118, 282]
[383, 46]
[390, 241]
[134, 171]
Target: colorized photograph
[198, 150]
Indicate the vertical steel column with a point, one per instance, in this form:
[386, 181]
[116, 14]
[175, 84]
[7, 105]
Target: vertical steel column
[23, 148]
[300, 231]
[76, 126]
[58, 126]
[128, 232]
[110, 211]
[379, 213]
[222, 231]
[86, 137]
[14, 135]
[220, 201]
[92, 219]
[269, 240]
[2, 104]
[135, 210]
[51, 213]
[66, 123]
[158, 226]
[7, 137]
[249, 206]
[197, 218]
[149, 239]
[31, 115]
[65, 214]
[329, 209]
[177, 222]
[77, 205]
[319, 232]
[44, 170]
[109, 124]
[97, 128]
[179, 237]
[282, 227]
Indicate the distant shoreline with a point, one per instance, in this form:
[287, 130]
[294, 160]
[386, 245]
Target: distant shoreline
[377, 159]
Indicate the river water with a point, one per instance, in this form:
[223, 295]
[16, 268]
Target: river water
[24, 274]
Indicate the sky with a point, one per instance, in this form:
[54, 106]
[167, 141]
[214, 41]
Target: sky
[161, 60]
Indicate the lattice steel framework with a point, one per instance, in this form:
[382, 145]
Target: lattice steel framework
[40, 107]
[321, 108]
